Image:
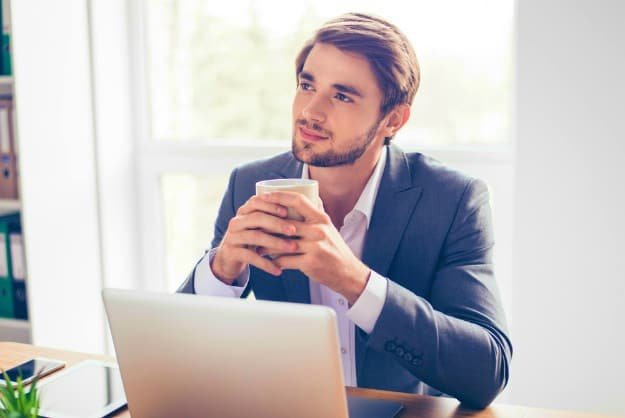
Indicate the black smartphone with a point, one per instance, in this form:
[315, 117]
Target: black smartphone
[29, 369]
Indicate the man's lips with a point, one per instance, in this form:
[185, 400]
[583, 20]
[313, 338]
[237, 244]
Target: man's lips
[311, 135]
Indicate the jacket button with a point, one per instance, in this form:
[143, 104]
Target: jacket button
[417, 362]
[390, 346]
[399, 351]
[408, 357]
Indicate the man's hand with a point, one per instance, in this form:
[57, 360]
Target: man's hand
[322, 254]
[249, 230]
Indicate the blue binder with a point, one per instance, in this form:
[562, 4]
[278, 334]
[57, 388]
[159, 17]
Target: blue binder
[17, 267]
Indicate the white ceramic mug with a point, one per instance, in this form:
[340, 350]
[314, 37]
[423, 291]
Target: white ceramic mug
[309, 188]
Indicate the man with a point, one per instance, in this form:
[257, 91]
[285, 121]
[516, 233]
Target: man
[401, 247]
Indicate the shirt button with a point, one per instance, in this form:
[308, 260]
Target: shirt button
[343, 350]
[341, 302]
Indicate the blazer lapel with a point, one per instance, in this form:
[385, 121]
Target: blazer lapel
[292, 169]
[394, 204]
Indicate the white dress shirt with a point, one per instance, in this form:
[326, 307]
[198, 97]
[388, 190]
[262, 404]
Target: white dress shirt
[368, 306]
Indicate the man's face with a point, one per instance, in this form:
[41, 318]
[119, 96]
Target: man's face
[336, 110]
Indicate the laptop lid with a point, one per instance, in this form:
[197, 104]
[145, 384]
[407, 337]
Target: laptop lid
[198, 356]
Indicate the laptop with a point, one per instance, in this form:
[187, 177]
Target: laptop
[197, 356]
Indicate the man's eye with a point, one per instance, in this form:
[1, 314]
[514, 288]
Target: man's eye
[343, 98]
[305, 86]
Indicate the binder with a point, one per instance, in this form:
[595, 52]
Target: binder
[7, 64]
[8, 159]
[6, 282]
[5, 41]
[6, 137]
[17, 268]
[8, 177]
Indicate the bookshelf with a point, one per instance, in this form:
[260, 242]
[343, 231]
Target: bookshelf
[11, 329]
[6, 85]
[10, 206]
[15, 330]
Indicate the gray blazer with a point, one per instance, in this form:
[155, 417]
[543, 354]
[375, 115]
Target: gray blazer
[442, 328]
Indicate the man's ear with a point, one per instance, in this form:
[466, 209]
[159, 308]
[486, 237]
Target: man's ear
[395, 119]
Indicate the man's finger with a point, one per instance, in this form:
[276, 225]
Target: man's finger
[297, 202]
[255, 204]
[258, 238]
[260, 220]
[249, 256]
[307, 232]
[289, 262]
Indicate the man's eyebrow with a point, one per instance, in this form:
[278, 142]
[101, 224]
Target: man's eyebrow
[344, 88]
[347, 89]
[306, 76]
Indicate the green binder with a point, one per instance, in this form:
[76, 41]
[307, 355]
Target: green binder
[6, 65]
[7, 309]
[7, 61]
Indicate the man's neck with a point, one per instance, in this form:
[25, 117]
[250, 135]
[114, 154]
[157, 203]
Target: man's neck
[340, 187]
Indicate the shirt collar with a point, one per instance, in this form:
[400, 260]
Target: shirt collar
[366, 201]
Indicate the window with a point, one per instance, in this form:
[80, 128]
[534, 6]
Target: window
[226, 73]
[219, 80]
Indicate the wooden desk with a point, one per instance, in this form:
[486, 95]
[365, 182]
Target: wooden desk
[415, 406]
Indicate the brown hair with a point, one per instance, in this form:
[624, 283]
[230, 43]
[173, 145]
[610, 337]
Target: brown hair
[386, 48]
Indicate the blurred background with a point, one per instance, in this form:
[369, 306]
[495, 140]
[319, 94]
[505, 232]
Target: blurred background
[130, 114]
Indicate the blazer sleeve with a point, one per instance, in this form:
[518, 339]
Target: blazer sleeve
[455, 340]
[227, 210]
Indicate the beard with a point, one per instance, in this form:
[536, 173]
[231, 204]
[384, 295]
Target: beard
[332, 158]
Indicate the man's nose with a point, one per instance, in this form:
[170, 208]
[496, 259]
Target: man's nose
[314, 110]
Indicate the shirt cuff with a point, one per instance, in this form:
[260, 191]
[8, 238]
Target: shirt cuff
[206, 283]
[368, 307]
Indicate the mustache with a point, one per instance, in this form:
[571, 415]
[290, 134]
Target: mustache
[314, 127]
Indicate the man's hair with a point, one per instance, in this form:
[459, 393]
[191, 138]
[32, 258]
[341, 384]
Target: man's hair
[385, 47]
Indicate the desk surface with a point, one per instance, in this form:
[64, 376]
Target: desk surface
[415, 406]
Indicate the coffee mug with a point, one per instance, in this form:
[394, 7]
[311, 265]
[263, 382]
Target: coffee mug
[309, 188]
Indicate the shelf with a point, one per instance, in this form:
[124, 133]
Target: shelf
[14, 323]
[9, 206]
[6, 85]
[16, 330]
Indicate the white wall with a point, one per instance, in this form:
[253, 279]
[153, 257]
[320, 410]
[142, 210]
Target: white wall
[569, 284]
[58, 173]
[78, 170]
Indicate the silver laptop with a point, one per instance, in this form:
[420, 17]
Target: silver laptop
[199, 356]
